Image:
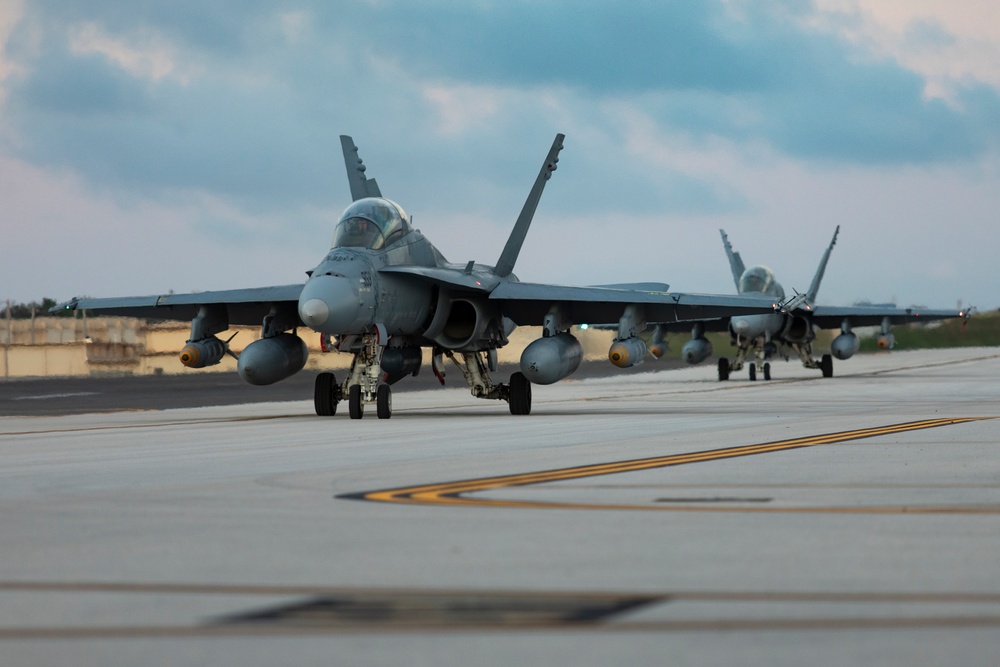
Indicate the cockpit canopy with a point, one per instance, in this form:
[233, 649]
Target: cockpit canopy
[371, 223]
[760, 280]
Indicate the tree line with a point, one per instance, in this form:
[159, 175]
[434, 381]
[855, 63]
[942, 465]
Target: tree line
[23, 311]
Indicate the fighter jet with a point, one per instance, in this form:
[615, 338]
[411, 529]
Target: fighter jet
[794, 329]
[383, 292]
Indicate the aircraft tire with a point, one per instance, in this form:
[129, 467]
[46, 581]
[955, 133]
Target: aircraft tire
[356, 402]
[325, 397]
[520, 395]
[383, 401]
[723, 369]
[753, 372]
[767, 371]
[826, 365]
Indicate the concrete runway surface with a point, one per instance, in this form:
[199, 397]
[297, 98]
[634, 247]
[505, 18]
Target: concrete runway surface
[660, 518]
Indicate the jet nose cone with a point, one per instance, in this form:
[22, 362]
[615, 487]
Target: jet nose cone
[314, 312]
[329, 304]
[741, 326]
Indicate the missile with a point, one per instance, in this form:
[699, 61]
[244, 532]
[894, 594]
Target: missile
[886, 341]
[204, 352]
[627, 352]
[657, 345]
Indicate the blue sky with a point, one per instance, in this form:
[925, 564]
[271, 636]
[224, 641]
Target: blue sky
[146, 148]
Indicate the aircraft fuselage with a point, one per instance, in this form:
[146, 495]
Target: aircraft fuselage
[346, 293]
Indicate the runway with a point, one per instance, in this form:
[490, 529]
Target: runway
[654, 518]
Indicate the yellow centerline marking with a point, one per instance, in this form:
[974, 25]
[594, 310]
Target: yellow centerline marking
[456, 493]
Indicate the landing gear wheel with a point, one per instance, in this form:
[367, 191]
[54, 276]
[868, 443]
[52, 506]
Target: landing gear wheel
[826, 365]
[753, 372]
[767, 371]
[356, 402]
[723, 369]
[326, 395]
[383, 401]
[520, 395]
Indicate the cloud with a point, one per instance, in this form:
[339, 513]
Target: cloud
[950, 45]
[223, 117]
[248, 103]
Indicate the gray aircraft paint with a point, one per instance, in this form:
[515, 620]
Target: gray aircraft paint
[396, 292]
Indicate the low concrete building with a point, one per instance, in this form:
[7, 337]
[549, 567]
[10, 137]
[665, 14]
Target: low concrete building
[60, 347]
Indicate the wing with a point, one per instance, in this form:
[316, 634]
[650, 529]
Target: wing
[645, 287]
[830, 317]
[244, 306]
[480, 279]
[475, 280]
[529, 303]
[717, 325]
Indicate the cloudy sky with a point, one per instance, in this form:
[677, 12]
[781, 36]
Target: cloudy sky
[149, 146]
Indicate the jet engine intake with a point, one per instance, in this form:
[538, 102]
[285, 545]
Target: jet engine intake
[458, 322]
[886, 341]
[398, 362]
[269, 360]
[627, 352]
[696, 350]
[201, 353]
[549, 360]
[798, 330]
[845, 345]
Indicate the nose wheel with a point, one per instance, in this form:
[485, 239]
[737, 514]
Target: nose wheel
[383, 401]
[356, 402]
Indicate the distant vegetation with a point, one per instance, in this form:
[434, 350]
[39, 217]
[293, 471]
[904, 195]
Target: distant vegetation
[22, 311]
[982, 329]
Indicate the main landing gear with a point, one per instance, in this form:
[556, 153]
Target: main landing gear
[759, 366]
[364, 383]
[520, 394]
[476, 367]
[327, 394]
[825, 363]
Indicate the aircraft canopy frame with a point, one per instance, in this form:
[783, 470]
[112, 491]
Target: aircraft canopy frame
[372, 222]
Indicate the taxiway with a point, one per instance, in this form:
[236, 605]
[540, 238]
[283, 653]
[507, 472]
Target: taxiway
[655, 518]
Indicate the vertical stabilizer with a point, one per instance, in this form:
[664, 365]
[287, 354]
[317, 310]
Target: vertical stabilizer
[735, 261]
[818, 278]
[361, 186]
[505, 265]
